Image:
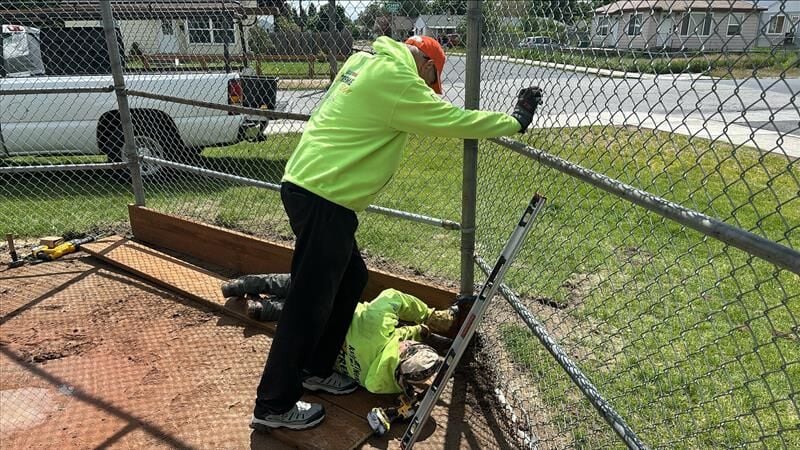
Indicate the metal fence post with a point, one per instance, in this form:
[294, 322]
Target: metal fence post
[125, 119]
[332, 46]
[470, 170]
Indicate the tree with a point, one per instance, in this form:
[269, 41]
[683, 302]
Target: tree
[412, 8]
[320, 21]
[302, 19]
[286, 25]
[383, 26]
[259, 41]
[370, 14]
[489, 24]
[448, 7]
[566, 11]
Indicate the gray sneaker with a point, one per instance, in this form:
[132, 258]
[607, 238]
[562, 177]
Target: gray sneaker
[301, 417]
[335, 383]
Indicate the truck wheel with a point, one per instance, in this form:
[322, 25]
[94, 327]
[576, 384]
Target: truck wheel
[148, 143]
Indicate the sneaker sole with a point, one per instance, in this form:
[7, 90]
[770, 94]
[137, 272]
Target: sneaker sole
[266, 426]
[328, 390]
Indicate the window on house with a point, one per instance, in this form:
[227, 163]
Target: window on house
[602, 26]
[776, 23]
[635, 25]
[223, 30]
[735, 24]
[207, 31]
[166, 27]
[696, 23]
[795, 23]
[199, 31]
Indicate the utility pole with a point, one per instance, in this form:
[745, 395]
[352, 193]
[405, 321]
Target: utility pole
[334, 69]
[302, 19]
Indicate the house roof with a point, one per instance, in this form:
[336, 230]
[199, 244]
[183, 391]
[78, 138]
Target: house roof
[677, 6]
[781, 7]
[441, 21]
[132, 9]
[403, 22]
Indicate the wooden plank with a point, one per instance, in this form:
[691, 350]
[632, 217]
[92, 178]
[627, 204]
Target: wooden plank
[344, 427]
[171, 273]
[247, 254]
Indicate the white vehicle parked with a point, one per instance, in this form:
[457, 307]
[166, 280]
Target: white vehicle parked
[88, 123]
[539, 43]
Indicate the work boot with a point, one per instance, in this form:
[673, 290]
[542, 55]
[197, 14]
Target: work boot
[264, 310]
[233, 288]
[335, 383]
[276, 284]
[302, 416]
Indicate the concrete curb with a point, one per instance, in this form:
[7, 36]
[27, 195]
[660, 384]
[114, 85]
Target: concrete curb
[595, 71]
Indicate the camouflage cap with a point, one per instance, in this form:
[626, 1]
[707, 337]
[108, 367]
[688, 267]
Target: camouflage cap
[418, 364]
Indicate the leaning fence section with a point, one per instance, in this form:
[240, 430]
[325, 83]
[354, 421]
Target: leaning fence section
[691, 339]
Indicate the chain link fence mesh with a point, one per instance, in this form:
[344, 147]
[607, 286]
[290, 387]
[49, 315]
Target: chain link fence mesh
[693, 342]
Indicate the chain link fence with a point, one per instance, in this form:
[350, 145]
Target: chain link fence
[657, 298]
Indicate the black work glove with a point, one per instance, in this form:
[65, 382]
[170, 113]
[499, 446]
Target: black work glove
[527, 101]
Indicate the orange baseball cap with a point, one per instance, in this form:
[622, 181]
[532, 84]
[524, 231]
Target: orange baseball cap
[431, 48]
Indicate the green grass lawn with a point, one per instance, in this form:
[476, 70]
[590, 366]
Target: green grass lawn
[281, 69]
[297, 69]
[694, 343]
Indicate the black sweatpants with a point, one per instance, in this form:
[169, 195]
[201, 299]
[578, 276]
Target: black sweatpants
[328, 277]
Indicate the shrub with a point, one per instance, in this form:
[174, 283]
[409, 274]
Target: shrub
[697, 65]
[136, 50]
[259, 41]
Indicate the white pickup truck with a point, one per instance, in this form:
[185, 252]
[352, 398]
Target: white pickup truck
[88, 123]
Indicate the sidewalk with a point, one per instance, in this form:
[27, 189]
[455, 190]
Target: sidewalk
[715, 130]
[595, 71]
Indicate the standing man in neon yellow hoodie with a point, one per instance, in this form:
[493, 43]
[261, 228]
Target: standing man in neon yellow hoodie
[350, 149]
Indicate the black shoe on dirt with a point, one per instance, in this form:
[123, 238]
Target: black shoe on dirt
[302, 416]
[335, 383]
[254, 308]
[233, 288]
[264, 310]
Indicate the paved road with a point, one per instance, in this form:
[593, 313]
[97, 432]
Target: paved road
[756, 104]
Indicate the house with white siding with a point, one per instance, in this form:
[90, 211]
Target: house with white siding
[691, 25]
[197, 27]
[780, 23]
[437, 25]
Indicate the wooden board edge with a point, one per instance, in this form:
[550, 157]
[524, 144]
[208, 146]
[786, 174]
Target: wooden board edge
[247, 254]
[104, 256]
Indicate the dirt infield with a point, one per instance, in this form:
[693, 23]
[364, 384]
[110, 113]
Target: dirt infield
[92, 358]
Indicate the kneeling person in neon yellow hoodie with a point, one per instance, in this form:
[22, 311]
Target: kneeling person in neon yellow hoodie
[375, 340]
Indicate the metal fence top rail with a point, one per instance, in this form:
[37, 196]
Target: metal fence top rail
[762, 247]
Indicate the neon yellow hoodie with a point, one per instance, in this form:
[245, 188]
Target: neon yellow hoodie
[353, 143]
[371, 350]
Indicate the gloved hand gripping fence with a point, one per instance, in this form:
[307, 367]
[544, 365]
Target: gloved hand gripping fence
[527, 101]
